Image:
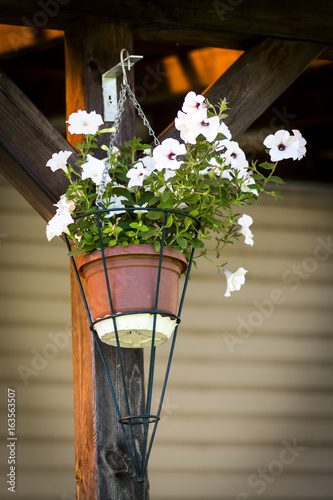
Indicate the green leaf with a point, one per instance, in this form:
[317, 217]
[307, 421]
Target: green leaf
[193, 199]
[74, 252]
[157, 246]
[197, 243]
[150, 234]
[166, 204]
[257, 176]
[212, 220]
[166, 195]
[152, 215]
[187, 222]
[169, 221]
[267, 166]
[276, 179]
[182, 242]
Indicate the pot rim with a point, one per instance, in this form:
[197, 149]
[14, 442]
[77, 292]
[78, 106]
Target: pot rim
[131, 249]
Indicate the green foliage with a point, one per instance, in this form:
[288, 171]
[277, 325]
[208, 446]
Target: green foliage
[196, 189]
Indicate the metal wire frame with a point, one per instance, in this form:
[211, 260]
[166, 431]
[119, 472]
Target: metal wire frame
[129, 420]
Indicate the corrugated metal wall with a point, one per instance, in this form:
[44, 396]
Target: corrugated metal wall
[248, 409]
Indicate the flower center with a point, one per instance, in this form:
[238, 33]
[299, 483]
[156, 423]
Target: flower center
[171, 156]
[281, 147]
[233, 155]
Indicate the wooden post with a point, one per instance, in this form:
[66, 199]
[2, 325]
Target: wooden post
[103, 467]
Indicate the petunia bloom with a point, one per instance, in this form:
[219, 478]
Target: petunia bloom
[65, 205]
[137, 175]
[282, 145]
[193, 102]
[302, 142]
[198, 124]
[59, 161]
[84, 123]
[246, 182]
[115, 202]
[166, 154]
[149, 163]
[245, 221]
[234, 280]
[235, 157]
[224, 129]
[213, 168]
[141, 209]
[93, 169]
[180, 124]
[58, 224]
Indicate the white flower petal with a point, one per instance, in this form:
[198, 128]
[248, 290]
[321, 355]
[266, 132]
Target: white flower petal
[59, 161]
[193, 102]
[58, 224]
[93, 169]
[82, 122]
[282, 145]
[234, 280]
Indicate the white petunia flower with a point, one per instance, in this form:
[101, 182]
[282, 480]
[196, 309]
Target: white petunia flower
[168, 174]
[166, 154]
[115, 202]
[149, 163]
[282, 145]
[248, 181]
[64, 205]
[180, 124]
[84, 123]
[93, 169]
[223, 129]
[193, 102]
[141, 211]
[198, 123]
[213, 168]
[58, 224]
[234, 280]
[137, 175]
[235, 157]
[245, 221]
[59, 161]
[302, 142]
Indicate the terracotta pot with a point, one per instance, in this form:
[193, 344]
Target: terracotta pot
[132, 273]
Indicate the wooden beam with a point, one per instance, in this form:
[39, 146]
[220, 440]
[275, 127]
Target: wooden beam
[257, 79]
[229, 24]
[27, 142]
[103, 466]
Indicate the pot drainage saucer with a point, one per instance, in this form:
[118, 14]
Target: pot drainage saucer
[136, 330]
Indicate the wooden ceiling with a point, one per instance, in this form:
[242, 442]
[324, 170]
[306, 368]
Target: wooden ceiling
[182, 46]
[233, 24]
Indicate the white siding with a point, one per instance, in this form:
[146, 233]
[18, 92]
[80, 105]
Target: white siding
[35, 353]
[250, 387]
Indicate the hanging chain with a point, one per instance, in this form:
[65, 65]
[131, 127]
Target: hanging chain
[125, 89]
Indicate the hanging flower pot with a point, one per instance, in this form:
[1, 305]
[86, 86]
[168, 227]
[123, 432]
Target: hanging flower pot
[129, 281]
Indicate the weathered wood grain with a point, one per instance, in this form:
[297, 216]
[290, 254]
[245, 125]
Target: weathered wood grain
[104, 468]
[28, 141]
[230, 24]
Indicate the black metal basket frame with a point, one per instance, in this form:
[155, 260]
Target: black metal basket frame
[146, 419]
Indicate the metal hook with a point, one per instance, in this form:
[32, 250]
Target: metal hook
[123, 51]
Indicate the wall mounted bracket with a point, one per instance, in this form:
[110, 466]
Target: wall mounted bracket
[109, 85]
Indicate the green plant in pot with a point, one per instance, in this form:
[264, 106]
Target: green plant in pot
[141, 192]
